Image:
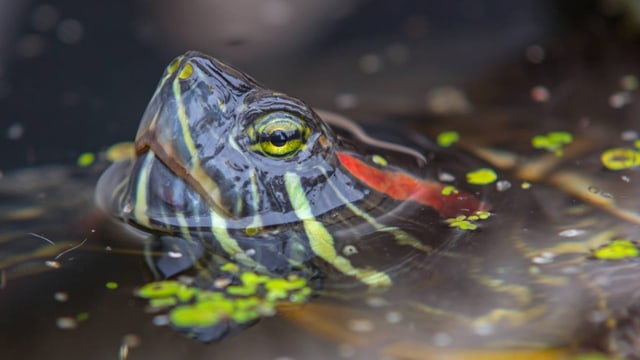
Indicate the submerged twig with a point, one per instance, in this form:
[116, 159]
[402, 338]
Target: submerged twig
[41, 237]
[70, 249]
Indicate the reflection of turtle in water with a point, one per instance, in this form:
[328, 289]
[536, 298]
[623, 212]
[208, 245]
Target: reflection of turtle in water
[254, 201]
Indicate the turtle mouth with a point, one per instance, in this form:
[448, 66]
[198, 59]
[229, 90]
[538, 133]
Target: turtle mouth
[183, 164]
[195, 177]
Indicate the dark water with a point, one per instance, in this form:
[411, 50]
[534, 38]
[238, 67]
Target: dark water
[82, 83]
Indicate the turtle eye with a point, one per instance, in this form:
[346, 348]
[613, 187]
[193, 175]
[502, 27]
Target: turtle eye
[279, 134]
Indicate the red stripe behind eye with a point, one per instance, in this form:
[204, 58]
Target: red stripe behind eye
[402, 186]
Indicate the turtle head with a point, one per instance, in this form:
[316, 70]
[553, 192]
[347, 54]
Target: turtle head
[212, 140]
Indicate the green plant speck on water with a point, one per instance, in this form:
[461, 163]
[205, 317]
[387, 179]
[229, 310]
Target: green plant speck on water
[86, 159]
[620, 158]
[553, 141]
[254, 296]
[617, 250]
[448, 138]
[481, 176]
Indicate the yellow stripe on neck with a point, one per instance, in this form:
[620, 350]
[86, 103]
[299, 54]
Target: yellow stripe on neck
[321, 241]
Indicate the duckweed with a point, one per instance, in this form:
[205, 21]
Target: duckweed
[553, 141]
[448, 138]
[482, 176]
[254, 295]
[448, 190]
[86, 159]
[617, 250]
[464, 222]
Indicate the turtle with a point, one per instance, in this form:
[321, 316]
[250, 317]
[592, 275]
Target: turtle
[254, 203]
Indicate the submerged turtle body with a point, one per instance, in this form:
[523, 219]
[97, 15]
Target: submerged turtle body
[245, 189]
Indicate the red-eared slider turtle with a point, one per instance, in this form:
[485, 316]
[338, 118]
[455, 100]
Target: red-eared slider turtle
[256, 202]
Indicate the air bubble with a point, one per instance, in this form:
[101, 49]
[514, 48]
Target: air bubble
[571, 232]
[543, 258]
[503, 185]
[446, 177]
[66, 323]
[349, 250]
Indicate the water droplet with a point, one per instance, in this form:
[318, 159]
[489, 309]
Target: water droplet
[593, 189]
[66, 323]
[349, 250]
[625, 178]
[503, 185]
[161, 320]
[571, 232]
[606, 195]
[543, 258]
[174, 254]
[446, 177]
[61, 296]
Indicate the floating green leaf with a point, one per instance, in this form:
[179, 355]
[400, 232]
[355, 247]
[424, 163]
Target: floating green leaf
[463, 222]
[482, 176]
[252, 296]
[617, 250]
[448, 138]
[553, 141]
[86, 159]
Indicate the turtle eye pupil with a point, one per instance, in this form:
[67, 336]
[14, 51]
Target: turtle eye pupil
[278, 138]
[278, 135]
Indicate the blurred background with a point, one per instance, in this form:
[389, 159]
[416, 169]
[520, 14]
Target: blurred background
[75, 76]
